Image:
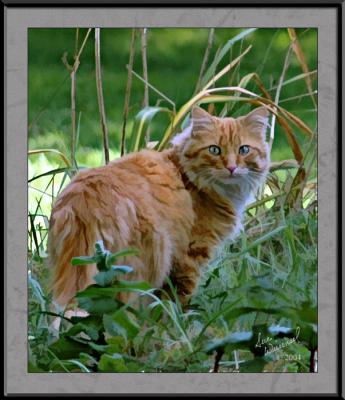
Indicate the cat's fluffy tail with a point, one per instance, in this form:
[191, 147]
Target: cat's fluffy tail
[69, 237]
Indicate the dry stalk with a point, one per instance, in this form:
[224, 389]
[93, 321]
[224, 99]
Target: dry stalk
[205, 59]
[218, 357]
[144, 59]
[145, 75]
[276, 100]
[73, 74]
[128, 90]
[301, 58]
[154, 89]
[100, 96]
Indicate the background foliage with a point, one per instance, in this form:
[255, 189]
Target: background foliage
[264, 285]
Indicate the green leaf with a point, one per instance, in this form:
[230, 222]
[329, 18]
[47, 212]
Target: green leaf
[238, 339]
[116, 344]
[105, 278]
[84, 260]
[212, 68]
[141, 124]
[98, 305]
[69, 172]
[255, 365]
[65, 348]
[79, 364]
[34, 368]
[89, 330]
[254, 244]
[120, 323]
[121, 269]
[125, 252]
[100, 249]
[87, 359]
[100, 348]
[112, 363]
[119, 286]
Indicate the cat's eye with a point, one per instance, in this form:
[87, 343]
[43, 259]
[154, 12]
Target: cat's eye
[243, 150]
[215, 150]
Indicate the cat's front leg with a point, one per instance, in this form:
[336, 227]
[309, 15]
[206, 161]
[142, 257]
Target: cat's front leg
[184, 277]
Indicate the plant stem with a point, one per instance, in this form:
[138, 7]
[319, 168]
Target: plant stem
[312, 367]
[144, 59]
[205, 59]
[219, 355]
[300, 55]
[73, 115]
[145, 76]
[154, 89]
[276, 100]
[73, 74]
[100, 96]
[128, 90]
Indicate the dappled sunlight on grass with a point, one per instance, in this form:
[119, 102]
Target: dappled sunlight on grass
[45, 189]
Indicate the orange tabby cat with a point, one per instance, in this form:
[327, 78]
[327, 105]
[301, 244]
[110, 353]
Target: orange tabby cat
[174, 206]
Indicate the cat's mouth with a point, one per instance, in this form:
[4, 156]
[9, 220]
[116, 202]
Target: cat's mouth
[236, 174]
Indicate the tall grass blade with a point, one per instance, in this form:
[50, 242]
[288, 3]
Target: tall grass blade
[100, 96]
[195, 99]
[205, 59]
[257, 242]
[141, 124]
[223, 51]
[128, 90]
[52, 151]
[301, 58]
[277, 96]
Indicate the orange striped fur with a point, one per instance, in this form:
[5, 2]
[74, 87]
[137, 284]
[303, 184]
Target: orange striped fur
[174, 206]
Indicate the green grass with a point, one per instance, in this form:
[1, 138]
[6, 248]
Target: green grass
[265, 279]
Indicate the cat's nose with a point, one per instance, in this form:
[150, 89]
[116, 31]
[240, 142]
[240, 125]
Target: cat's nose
[232, 168]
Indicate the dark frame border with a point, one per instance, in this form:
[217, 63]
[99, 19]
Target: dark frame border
[336, 4]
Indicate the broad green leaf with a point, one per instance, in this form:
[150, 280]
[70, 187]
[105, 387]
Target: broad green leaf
[99, 305]
[90, 330]
[125, 286]
[84, 260]
[65, 348]
[112, 363]
[234, 341]
[116, 344]
[105, 278]
[120, 323]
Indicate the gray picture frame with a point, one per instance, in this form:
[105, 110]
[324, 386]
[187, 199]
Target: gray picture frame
[327, 18]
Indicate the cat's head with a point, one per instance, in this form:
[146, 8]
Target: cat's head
[230, 155]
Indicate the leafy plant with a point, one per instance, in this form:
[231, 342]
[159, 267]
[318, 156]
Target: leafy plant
[261, 288]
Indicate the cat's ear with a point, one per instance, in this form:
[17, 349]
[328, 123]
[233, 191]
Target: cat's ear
[257, 121]
[201, 120]
[179, 139]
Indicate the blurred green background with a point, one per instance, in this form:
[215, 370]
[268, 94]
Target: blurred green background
[174, 60]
